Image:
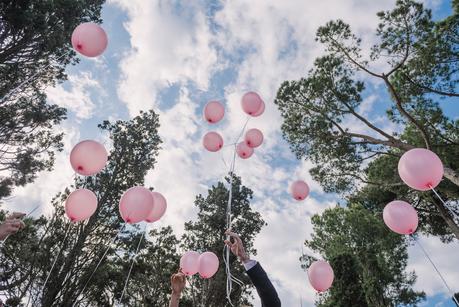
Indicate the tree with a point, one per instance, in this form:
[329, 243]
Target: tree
[207, 234]
[369, 261]
[422, 62]
[34, 51]
[135, 147]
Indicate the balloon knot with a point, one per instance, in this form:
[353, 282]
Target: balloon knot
[80, 168]
[79, 46]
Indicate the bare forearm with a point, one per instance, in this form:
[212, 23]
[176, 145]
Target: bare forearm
[175, 299]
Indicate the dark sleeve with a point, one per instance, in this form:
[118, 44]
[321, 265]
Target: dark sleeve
[265, 288]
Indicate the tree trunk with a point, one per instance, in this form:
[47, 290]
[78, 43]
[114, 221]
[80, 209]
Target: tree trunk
[451, 175]
[446, 215]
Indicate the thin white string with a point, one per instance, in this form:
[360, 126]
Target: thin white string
[436, 269]
[57, 256]
[132, 265]
[444, 203]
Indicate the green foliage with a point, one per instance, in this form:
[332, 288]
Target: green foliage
[207, 234]
[368, 259]
[135, 147]
[34, 46]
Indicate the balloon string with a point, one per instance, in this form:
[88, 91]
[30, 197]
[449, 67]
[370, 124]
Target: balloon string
[443, 202]
[190, 280]
[132, 265]
[57, 257]
[436, 269]
[98, 264]
[27, 81]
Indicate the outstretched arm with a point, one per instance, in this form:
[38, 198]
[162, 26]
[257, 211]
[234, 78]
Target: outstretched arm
[178, 282]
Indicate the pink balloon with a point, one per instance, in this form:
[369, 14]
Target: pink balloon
[136, 205]
[158, 209]
[244, 151]
[400, 217]
[213, 141]
[253, 138]
[321, 275]
[80, 205]
[214, 112]
[189, 263]
[261, 110]
[208, 264]
[89, 39]
[251, 103]
[420, 169]
[299, 190]
[88, 157]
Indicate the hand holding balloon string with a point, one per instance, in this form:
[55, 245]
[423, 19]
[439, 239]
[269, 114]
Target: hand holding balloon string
[12, 224]
[236, 246]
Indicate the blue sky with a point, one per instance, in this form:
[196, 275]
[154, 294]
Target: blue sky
[174, 56]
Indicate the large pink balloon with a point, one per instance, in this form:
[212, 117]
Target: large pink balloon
[136, 205]
[251, 103]
[299, 190]
[80, 205]
[253, 138]
[189, 263]
[261, 110]
[420, 169]
[321, 275]
[88, 157]
[158, 209]
[212, 141]
[400, 217]
[89, 39]
[244, 151]
[208, 264]
[214, 112]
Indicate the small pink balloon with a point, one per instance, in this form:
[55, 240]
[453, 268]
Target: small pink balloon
[208, 264]
[253, 138]
[299, 190]
[261, 110]
[420, 169]
[214, 112]
[251, 103]
[189, 263]
[80, 205]
[321, 275]
[244, 151]
[400, 217]
[213, 141]
[88, 157]
[158, 209]
[136, 205]
[89, 39]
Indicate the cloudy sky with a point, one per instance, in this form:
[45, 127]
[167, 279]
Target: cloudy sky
[174, 56]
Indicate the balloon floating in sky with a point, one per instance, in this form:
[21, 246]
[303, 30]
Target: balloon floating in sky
[253, 138]
[400, 217]
[321, 275]
[252, 103]
[420, 169]
[299, 190]
[88, 157]
[214, 112]
[213, 141]
[89, 39]
[80, 205]
[159, 208]
[261, 110]
[244, 151]
[208, 264]
[136, 205]
[189, 263]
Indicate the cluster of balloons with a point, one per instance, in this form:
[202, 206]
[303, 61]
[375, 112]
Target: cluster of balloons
[137, 204]
[214, 111]
[422, 170]
[299, 190]
[206, 264]
[89, 39]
